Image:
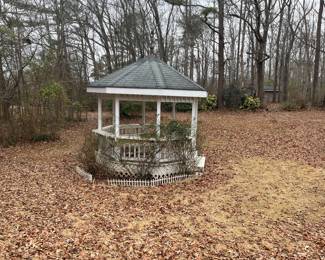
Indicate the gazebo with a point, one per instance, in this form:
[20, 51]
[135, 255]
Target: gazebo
[147, 80]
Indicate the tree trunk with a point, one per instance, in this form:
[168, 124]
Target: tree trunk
[317, 51]
[186, 37]
[192, 62]
[242, 76]
[162, 51]
[252, 63]
[277, 57]
[4, 104]
[221, 59]
[285, 83]
[260, 71]
[239, 43]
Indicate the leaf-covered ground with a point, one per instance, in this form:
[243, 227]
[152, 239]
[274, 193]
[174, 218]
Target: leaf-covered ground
[262, 195]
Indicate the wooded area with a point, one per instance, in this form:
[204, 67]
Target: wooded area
[51, 50]
[261, 194]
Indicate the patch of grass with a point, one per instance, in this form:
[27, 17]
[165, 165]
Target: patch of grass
[261, 193]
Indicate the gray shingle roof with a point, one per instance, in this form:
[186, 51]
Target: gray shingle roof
[147, 73]
[269, 88]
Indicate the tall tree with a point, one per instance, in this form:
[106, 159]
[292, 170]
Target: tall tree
[277, 57]
[221, 50]
[261, 14]
[209, 21]
[317, 51]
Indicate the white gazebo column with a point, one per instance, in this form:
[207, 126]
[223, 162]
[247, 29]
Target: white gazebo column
[174, 110]
[143, 112]
[100, 113]
[158, 117]
[194, 121]
[117, 117]
[113, 111]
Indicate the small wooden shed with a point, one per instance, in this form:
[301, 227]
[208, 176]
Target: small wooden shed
[147, 80]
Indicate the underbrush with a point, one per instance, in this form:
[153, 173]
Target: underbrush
[293, 105]
[87, 158]
[40, 117]
[27, 129]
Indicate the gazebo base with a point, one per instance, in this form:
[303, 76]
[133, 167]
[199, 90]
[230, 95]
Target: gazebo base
[153, 182]
[138, 169]
[139, 183]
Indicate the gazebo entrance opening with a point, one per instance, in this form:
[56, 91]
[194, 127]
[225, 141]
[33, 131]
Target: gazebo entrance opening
[118, 129]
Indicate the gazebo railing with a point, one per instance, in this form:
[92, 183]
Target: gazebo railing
[135, 146]
[138, 152]
[133, 129]
[143, 151]
[129, 129]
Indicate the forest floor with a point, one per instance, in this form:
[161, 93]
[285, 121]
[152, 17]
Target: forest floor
[262, 195]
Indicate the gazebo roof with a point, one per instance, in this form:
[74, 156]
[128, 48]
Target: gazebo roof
[147, 76]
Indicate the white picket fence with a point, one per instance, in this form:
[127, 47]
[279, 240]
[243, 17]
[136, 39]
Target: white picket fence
[139, 183]
[150, 183]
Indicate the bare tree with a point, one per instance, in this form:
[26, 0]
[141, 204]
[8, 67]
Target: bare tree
[317, 50]
[261, 14]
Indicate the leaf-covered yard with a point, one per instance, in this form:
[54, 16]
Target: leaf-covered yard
[262, 195]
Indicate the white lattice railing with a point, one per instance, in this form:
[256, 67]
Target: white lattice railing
[148, 183]
[142, 151]
[129, 130]
[132, 130]
[135, 146]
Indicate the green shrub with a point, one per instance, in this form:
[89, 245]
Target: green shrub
[233, 97]
[209, 103]
[130, 109]
[183, 107]
[44, 137]
[251, 103]
[53, 100]
[175, 129]
[52, 91]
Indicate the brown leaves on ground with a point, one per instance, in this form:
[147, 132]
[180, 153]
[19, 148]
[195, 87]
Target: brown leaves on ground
[262, 195]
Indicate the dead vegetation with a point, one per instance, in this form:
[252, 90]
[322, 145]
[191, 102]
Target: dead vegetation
[262, 195]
